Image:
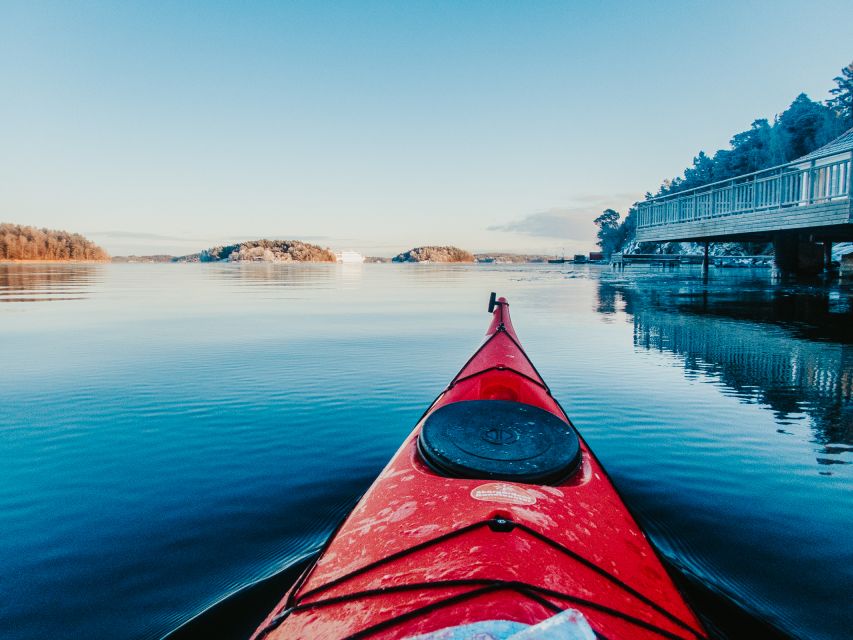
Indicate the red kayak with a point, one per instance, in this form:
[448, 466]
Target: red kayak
[493, 517]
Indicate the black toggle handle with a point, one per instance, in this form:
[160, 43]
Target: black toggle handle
[493, 302]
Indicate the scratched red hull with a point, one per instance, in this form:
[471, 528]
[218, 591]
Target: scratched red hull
[420, 552]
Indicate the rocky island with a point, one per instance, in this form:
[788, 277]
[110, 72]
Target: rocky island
[434, 254]
[22, 243]
[263, 251]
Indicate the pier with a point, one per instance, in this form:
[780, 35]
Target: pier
[802, 207]
[621, 260]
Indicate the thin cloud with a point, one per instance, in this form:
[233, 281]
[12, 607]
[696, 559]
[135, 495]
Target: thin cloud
[280, 236]
[554, 223]
[242, 237]
[564, 223]
[137, 235]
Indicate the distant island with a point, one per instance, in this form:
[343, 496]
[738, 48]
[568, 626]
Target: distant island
[510, 258]
[263, 251]
[160, 257]
[22, 243]
[214, 255]
[294, 251]
[434, 254]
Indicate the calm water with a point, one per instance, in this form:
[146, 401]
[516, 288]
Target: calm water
[172, 433]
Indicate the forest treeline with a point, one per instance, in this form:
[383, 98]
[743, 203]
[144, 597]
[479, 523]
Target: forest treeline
[18, 242]
[804, 126]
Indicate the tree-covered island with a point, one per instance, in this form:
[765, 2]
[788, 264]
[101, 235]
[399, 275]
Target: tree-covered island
[23, 243]
[434, 254]
[264, 251]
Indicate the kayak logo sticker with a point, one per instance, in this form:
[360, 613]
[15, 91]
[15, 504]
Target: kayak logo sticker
[503, 493]
[499, 435]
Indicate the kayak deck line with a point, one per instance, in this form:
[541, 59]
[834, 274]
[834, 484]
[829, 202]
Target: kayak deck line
[497, 525]
[429, 546]
[533, 592]
[502, 325]
[501, 330]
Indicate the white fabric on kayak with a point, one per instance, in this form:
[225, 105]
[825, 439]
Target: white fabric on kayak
[566, 625]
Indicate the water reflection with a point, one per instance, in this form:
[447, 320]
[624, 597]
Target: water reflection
[786, 348]
[272, 274]
[47, 282]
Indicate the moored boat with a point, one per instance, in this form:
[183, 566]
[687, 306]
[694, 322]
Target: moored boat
[494, 518]
[349, 257]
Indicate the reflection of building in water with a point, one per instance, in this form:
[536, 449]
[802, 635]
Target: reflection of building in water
[777, 366]
[760, 365]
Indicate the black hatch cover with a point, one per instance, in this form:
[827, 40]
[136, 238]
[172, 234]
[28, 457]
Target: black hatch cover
[499, 440]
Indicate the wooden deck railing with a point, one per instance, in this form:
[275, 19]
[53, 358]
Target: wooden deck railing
[789, 185]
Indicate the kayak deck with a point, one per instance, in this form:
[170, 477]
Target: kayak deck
[424, 551]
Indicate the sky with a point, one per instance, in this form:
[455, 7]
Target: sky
[379, 126]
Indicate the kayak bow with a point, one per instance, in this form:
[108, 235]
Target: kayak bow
[493, 509]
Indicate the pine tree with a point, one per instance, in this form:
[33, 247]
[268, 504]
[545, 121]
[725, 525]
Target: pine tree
[842, 101]
[608, 231]
[701, 173]
[805, 126]
[751, 149]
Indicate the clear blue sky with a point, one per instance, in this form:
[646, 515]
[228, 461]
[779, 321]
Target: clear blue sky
[168, 127]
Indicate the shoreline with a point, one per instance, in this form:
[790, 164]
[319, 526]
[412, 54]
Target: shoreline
[48, 261]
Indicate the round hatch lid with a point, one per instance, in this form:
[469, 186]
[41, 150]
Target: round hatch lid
[499, 440]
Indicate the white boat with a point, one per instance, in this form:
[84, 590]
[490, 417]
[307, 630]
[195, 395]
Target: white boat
[349, 256]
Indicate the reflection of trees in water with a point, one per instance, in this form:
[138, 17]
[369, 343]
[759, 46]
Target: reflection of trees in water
[46, 281]
[608, 295]
[307, 274]
[796, 368]
[273, 274]
[789, 375]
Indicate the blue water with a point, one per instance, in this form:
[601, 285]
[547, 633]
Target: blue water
[172, 433]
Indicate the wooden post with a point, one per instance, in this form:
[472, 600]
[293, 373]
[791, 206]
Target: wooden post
[850, 184]
[705, 260]
[827, 256]
[755, 192]
[811, 181]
